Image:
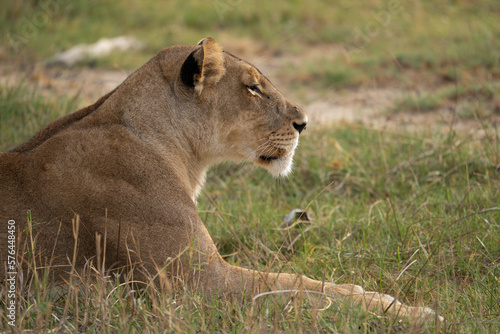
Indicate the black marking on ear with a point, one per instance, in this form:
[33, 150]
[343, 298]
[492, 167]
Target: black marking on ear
[189, 69]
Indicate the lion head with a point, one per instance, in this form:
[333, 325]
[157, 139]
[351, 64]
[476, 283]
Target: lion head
[247, 117]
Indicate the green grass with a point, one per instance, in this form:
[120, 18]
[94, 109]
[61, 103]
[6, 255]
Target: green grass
[437, 41]
[23, 112]
[425, 102]
[470, 101]
[380, 201]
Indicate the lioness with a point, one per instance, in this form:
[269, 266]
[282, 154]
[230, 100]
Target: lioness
[132, 164]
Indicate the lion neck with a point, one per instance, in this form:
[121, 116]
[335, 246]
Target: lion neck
[175, 130]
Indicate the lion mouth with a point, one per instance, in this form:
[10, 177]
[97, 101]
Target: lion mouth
[267, 158]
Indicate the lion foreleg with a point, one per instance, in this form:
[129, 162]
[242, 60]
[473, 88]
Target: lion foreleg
[241, 282]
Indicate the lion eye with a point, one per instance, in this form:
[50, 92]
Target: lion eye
[254, 89]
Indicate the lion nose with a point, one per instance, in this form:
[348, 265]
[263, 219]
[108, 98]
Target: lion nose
[299, 127]
[299, 120]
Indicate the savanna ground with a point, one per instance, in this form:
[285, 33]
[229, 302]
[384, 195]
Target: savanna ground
[399, 168]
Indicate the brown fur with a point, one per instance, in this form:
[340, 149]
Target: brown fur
[132, 164]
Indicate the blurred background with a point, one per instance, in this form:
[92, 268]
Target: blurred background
[382, 62]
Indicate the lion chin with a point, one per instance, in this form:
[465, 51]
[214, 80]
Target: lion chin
[277, 167]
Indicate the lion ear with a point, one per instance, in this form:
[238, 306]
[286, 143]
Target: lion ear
[203, 67]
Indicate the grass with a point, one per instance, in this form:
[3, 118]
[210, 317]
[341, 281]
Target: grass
[409, 214]
[23, 112]
[471, 101]
[376, 43]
